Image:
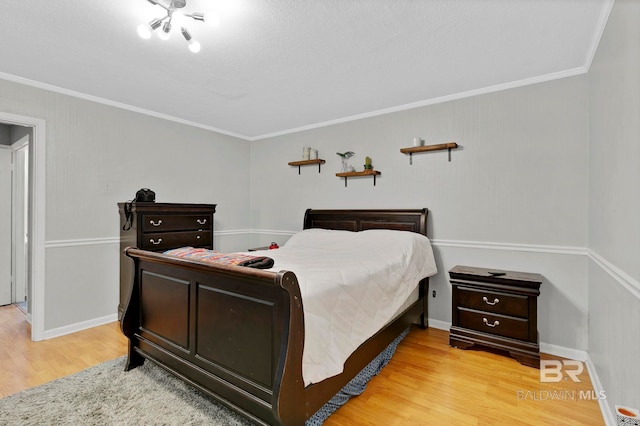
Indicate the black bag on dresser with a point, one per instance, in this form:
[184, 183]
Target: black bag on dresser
[144, 195]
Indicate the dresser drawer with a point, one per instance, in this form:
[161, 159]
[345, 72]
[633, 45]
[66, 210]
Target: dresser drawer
[496, 302]
[157, 241]
[499, 325]
[166, 222]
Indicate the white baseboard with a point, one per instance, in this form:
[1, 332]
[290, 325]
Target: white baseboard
[607, 414]
[72, 328]
[440, 325]
[563, 352]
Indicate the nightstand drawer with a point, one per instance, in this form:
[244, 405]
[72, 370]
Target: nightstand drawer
[161, 223]
[496, 302]
[166, 240]
[499, 325]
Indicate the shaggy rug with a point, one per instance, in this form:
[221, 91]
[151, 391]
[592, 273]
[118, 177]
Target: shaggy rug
[106, 395]
[147, 395]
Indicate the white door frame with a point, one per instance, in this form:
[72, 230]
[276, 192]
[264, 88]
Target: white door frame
[37, 217]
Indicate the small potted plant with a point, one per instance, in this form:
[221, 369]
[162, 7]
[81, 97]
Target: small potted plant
[367, 163]
[345, 156]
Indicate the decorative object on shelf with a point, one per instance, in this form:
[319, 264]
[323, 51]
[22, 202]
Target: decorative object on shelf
[170, 7]
[309, 153]
[345, 156]
[448, 146]
[370, 172]
[418, 142]
[273, 245]
[309, 157]
[367, 163]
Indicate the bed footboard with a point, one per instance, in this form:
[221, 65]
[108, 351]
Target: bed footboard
[235, 333]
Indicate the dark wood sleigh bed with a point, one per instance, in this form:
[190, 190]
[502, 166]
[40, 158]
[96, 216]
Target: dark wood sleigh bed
[237, 333]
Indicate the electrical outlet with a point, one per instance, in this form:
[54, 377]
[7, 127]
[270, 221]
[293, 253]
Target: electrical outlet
[433, 294]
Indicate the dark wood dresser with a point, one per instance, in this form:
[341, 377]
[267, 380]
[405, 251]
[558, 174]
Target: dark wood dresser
[498, 309]
[160, 227]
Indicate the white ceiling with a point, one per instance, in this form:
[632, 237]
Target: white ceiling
[275, 66]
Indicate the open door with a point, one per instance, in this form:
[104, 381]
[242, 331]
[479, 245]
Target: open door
[20, 237]
[5, 225]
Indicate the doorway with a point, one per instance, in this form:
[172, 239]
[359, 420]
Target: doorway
[20, 219]
[26, 170]
[14, 212]
[6, 190]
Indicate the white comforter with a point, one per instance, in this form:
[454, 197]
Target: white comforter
[352, 283]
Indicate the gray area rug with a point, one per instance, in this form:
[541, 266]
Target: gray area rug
[106, 395]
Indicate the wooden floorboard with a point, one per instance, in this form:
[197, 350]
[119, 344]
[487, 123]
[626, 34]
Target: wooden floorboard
[426, 383]
[25, 364]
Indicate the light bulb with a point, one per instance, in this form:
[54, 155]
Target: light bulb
[165, 32]
[198, 16]
[144, 31]
[194, 46]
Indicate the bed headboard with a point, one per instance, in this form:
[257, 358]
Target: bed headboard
[359, 220]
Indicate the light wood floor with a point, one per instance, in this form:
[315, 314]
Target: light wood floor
[25, 364]
[426, 383]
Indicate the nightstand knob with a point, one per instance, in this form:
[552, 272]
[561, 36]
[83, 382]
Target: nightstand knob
[495, 301]
[158, 223]
[154, 242]
[486, 321]
[201, 221]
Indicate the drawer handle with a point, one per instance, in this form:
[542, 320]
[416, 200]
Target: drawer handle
[201, 221]
[154, 242]
[158, 223]
[495, 301]
[486, 321]
[197, 237]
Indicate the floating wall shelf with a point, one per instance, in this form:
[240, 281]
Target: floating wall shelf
[346, 175]
[414, 149]
[300, 163]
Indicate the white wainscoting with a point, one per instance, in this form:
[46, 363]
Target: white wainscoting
[624, 279]
[448, 253]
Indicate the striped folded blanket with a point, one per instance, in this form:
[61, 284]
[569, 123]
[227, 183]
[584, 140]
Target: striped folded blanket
[238, 259]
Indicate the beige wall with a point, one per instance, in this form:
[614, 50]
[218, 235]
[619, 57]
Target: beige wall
[514, 195]
[614, 202]
[97, 155]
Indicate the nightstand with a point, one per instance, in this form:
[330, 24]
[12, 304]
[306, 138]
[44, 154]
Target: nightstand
[498, 309]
